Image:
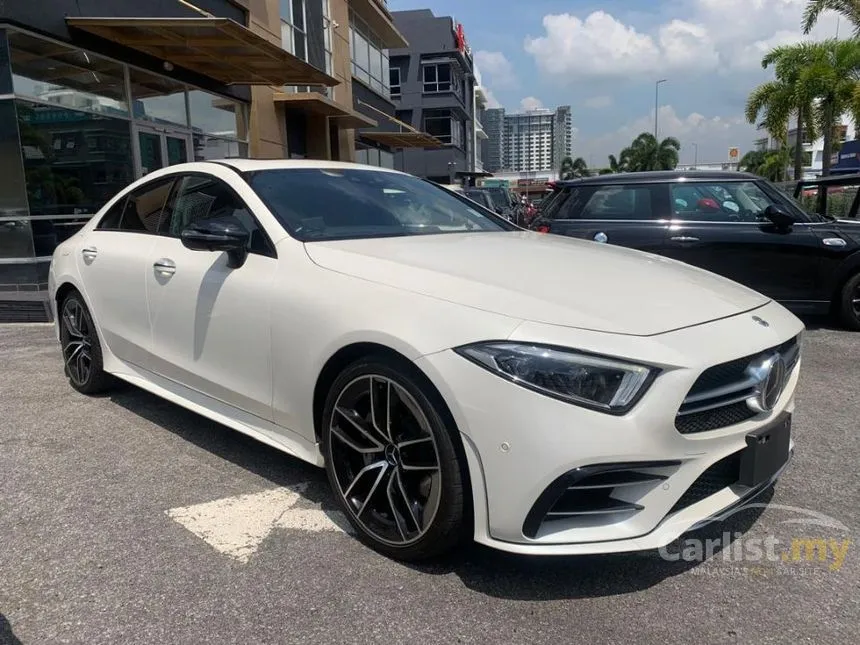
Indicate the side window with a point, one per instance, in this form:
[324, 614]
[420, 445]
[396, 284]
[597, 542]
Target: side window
[110, 221]
[737, 201]
[200, 197]
[619, 202]
[144, 207]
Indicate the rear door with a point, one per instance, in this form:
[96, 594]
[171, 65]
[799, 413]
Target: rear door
[113, 261]
[720, 226]
[631, 215]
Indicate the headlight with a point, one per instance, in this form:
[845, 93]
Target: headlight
[606, 384]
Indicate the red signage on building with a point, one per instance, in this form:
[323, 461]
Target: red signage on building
[460, 38]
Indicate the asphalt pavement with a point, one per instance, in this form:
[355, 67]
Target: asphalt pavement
[126, 519]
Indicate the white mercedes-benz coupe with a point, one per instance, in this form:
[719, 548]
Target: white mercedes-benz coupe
[456, 376]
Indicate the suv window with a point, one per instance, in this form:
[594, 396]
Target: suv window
[728, 201]
[200, 197]
[141, 210]
[612, 202]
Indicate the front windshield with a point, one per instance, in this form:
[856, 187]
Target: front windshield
[316, 204]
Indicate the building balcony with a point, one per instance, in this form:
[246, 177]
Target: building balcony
[479, 130]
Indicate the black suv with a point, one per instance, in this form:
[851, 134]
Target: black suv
[731, 223]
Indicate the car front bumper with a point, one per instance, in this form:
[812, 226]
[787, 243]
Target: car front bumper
[519, 443]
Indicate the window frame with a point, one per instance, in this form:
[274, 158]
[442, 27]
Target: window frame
[270, 252]
[392, 84]
[125, 196]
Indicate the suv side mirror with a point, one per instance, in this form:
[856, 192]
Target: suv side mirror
[219, 234]
[780, 217]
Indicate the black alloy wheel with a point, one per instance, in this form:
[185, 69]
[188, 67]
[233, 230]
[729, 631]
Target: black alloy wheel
[82, 356]
[391, 461]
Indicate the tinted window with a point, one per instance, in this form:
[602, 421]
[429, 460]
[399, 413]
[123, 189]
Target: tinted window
[199, 197]
[603, 202]
[112, 218]
[738, 201]
[337, 203]
[141, 210]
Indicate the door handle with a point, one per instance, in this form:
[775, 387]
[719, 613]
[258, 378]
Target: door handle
[89, 252]
[834, 241]
[165, 266]
[684, 238]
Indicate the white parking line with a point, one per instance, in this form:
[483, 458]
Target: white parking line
[237, 526]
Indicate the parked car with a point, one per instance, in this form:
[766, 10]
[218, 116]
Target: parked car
[734, 224]
[456, 376]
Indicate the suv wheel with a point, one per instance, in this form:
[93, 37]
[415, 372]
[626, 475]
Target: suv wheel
[391, 460]
[849, 303]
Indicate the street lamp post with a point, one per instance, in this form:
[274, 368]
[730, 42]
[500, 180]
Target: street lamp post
[696, 153]
[657, 103]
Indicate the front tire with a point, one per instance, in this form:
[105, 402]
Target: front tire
[391, 460]
[849, 303]
[82, 353]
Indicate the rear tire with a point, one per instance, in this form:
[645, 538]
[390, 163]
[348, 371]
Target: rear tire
[391, 460]
[849, 303]
[82, 352]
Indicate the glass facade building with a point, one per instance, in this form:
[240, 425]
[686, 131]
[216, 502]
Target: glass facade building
[75, 128]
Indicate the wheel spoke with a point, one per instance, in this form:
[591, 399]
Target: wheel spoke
[72, 316]
[413, 442]
[354, 420]
[373, 488]
[406, 501]
[427, 468]
[381, 425]
[78, 348]
[382, 465]
[389, 492]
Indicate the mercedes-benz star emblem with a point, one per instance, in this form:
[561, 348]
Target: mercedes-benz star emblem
[761, 321]
[769, 374]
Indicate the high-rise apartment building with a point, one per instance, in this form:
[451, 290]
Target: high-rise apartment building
[529, 141]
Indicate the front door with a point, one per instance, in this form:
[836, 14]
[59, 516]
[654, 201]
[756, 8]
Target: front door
[210, 323]
[720, 226]
[631, 215]
[159, 147]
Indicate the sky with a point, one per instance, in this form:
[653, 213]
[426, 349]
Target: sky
[604, 58]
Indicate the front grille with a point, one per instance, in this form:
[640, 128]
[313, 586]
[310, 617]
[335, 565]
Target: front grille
[717, 398]
[718, 476]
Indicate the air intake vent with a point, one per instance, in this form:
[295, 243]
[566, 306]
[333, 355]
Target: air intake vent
[588, 492]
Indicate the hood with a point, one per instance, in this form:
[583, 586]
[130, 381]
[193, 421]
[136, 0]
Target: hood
[544, 278]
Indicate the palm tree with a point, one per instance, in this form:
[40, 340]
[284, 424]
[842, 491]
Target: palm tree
[753, 161]
[849, 9]
[646, 153]
[566, 170]
[620, 163]
[580, 168]
[573, 168]
[785, 93]
[833, 78]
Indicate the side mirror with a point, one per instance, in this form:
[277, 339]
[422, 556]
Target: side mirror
[780, 217]
[219, 234]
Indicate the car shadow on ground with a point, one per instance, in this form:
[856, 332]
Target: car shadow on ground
[484, 570]
[7, 636]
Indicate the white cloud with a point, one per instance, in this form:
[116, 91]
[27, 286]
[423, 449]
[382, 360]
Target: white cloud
[498, 68]
[531, 103]
[492, 101]
[713, 134]
[597, 102]
[714, 35]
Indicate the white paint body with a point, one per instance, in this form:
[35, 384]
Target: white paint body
[245, 347]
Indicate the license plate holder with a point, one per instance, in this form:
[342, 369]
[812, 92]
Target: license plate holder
[767, 451]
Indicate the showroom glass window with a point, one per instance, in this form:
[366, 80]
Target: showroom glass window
[83, 137]
[370, 63]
